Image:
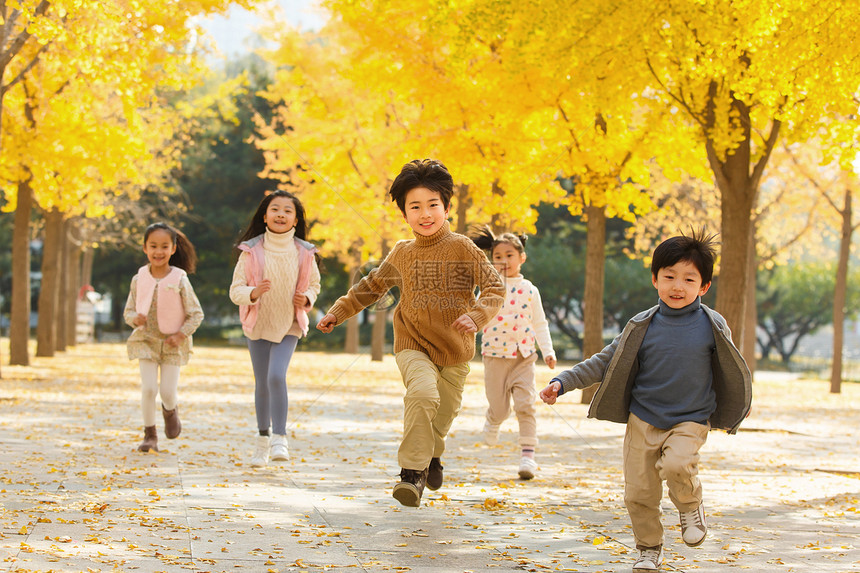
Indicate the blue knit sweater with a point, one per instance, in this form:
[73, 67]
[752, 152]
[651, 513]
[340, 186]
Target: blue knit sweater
[675, 379]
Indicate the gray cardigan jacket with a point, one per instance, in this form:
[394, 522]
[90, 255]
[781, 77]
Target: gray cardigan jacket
[615, 368]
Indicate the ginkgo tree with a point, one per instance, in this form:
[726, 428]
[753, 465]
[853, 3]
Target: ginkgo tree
[747, 74]
[96, 67]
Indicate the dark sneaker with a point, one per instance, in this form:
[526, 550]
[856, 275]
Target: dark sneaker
[434, 474]
[408, 491]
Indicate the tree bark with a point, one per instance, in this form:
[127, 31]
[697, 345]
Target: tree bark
[751, 314]
[350, 346]
[380, 318]
[738, 181]
[61, 341]
[595, 261]
[73, 285]
[464, 201]
[19, 328]
[87, 264]
[839, 295]
[46, 329]
[377, 341]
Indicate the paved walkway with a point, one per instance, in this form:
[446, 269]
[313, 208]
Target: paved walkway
[782, 495]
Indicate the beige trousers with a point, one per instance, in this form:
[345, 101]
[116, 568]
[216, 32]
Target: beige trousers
[506, 378]
[652, 455]
[432, 401]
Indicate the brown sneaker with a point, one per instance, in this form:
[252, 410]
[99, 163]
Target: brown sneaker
[172, 425]
[408, 491]
[434, 474]
[150, 440]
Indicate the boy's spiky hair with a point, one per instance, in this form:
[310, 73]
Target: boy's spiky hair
[428, 173]
[699, 248]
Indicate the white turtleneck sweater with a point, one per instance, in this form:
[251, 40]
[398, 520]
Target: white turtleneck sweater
[276, 315]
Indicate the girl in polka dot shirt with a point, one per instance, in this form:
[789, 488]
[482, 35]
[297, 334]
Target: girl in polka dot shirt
[508, 347]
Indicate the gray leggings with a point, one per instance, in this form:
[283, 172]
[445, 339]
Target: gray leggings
[270, 361]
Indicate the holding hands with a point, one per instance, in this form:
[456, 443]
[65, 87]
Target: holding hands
[550, 394]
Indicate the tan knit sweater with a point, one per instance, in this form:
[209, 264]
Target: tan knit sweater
[436, 276]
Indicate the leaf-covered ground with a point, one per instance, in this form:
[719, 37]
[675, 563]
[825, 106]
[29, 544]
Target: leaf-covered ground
[782, 495]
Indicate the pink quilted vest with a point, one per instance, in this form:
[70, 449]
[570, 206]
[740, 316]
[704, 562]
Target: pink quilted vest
[255, 262]
[170, 311]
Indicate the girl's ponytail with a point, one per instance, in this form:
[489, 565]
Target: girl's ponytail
[482, 236]
[185, 256]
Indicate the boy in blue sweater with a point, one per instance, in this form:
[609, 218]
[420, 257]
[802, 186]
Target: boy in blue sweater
[671, 376]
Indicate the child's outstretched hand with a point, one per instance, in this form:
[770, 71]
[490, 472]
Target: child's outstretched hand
[327, 323]
[465, 324]
[139, 320]
[550, 361]
[550, 393]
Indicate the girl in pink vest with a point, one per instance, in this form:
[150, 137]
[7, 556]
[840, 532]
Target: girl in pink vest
[164, 312]
[508, 347]
[275, 283]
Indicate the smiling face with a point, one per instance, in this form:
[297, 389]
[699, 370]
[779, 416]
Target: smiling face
[679, 285]
[280, 215]
[508, 260]
[159, 247]
[424, 211]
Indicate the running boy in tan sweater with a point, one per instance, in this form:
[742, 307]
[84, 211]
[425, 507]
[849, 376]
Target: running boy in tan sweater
[435, 322]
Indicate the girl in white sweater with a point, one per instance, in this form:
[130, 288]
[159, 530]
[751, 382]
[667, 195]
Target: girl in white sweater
[275, 283]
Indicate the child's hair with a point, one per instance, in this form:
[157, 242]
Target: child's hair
[185, 257]
[428, 173]
[699, 249]
[257, 226]
[484, 238]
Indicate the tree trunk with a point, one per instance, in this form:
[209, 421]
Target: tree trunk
[46, 329]
[62, 290]
[377, 341]
[464, 201]
[839, 295]
[19, 328]
[751, 314]
[736, 205]
[74, 285]
[351, 344]
[380, 318]
[595, 260]
[87, 264]
[737, 180]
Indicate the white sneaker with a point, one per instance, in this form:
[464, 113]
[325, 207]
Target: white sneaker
[694, 528]
[279, 450]
[491, 434]
[261, 452]
[528, 467]
[649, 559]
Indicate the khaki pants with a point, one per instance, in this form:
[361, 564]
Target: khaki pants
[652, 455]
[506, 378]
[432, 401]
